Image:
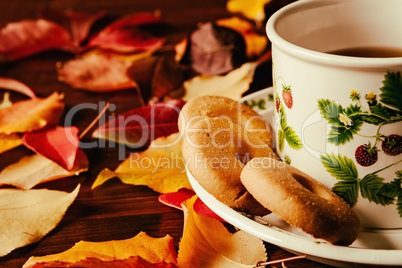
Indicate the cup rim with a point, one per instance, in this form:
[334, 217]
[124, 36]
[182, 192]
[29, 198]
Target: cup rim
[316, 56]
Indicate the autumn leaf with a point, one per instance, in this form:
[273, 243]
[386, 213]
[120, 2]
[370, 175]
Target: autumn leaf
[175, 199]
[160, 167]
[125, 35]
[8, 142]
[135, 261]
[214, 50]
[200, 208]
[156, 76]
[31, 115]
[253, 10]
[231, 85]
[28, 37]
[78, 24]
[59, 144]
[27, 216]
[207, 243]
[99, 71]
[15, 85]
[256, 43]
[32, 170]
[153, 250]
[138, 127]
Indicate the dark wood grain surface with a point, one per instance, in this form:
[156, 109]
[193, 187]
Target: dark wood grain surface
[114, 210]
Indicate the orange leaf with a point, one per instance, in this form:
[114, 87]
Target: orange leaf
[30, 115]
[207, 243]
[35, 169]
[8, 142]
[153, 250]
[99, 71]
[160, 167]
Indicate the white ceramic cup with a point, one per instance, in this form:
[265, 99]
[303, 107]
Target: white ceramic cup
[330, 106]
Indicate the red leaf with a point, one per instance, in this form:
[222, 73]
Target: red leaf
[27, 37]
[140, 126]
[200, 208]
[12, 84]
[77, 23]
[175, 199]
[59, 144]
[125, 36]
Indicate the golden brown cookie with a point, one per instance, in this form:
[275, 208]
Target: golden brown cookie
[215, 151]
[216, 106]
[300, 200]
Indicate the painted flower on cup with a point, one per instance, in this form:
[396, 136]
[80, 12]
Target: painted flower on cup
[354, 95]
[344, 119]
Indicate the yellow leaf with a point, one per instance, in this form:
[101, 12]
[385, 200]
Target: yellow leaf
[27, 216]
[255, 43]
[253, 10]
[231, 85]
[153, 250]
[35, 169]
[160, 167]
[8, 142]
[207, 243]
[30, 115]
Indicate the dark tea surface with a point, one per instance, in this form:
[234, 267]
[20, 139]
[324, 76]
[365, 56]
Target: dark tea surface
[369, 52]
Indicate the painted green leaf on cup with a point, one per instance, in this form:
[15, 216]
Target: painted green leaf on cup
[330, 111]
[292, 138]
[370, 186]
[392, 189]
[392, 90]
[288, 132]
[340, 167]
[344, 122]
[348, 191]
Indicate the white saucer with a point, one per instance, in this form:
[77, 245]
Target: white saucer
[372, 247]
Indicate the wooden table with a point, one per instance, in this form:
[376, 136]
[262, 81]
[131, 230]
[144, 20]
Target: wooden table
[114, 210]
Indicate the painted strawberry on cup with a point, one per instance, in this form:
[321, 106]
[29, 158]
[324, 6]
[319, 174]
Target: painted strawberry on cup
[392, 145]
[287, 96]
[366, 155]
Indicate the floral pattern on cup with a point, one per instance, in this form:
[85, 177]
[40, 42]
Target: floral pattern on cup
[346, 122]
[285, 132]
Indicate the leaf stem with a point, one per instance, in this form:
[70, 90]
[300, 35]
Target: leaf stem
[94, 121]
[386, 167]
[260, 264]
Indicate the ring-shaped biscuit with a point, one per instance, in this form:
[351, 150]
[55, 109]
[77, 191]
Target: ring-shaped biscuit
[300, 200]
[217, 106]
[215, 151]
